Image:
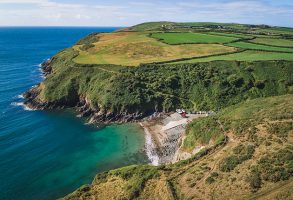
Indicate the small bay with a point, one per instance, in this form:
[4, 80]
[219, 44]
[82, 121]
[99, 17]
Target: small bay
[48, 154]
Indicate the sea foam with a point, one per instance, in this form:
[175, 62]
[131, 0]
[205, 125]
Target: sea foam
[150, 148]
[22, 105]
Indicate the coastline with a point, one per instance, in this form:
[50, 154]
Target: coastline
[164, 136]
[150, 147]
[164, 133]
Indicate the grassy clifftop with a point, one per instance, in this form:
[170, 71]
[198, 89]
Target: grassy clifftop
[254, 161]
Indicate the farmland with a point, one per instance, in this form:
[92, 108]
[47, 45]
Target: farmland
[150, 43]
[250, 55]
[183, 38]
[132, 49]
[273, 42]
[246, 45]
[231, 35]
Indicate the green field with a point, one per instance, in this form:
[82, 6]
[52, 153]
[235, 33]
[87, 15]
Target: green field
[161, 42]
[278, 30]
[235, 35]
[132, 49]
[249, 55]
[245, 45]
[274, 42]
[181, 38]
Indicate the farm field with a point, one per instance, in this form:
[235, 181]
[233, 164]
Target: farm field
[132, 49]
[235, 35]
[245, 45]
[181, 38]
[278, 30]
[274, 42]
[248, 55]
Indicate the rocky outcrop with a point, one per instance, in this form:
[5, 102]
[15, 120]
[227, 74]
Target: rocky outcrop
[100, 115]
[81, 103]
[46, 67]
[83, 106]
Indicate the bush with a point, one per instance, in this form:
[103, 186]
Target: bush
[281, 129]
[254, 181]
[210, 180]
[235, 80]
[214, 174]
[259, 84]
[229, 163]
[137, 176]
[241, 154]
[273, 168]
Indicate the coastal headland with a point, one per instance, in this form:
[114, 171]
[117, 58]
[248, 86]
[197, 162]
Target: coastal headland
[164, 75]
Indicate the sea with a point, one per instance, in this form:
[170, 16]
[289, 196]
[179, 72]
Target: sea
[48, 154]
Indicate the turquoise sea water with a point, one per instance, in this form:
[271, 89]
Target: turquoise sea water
[47, 154]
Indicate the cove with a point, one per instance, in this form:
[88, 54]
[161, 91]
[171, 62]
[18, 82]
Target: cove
[48, 154]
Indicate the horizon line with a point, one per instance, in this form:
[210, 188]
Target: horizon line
[125, 26]
[53, 26]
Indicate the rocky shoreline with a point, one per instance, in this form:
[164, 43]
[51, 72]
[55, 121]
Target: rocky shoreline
[165, 133]
[161, 146]
[81, 105]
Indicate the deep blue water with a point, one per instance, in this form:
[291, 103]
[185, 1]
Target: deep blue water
[47, 154]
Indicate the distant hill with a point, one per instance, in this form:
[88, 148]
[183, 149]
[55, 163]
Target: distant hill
[262, 28]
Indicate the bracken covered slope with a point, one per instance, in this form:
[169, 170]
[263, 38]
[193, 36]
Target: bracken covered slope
[253, 160]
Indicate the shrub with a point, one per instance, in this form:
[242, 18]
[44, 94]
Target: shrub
[229, 163]
[210, 180]
[241, 154]
[214, 174]
[254, 181]
[273, 168]
[259, 84]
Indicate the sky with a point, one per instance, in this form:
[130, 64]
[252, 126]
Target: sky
[131, 12]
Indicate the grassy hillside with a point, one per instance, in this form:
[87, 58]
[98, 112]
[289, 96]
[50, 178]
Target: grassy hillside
[149, 88]
[254, 161]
